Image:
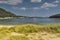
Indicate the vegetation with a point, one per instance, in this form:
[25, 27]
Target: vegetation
[31, 28]
[55, 16]
[4, 13]
[18, 38]
[29, 31]
[4, 31]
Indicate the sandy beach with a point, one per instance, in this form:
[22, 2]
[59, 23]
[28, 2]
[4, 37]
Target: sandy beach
[8, 26]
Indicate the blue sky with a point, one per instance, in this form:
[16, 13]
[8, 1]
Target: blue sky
[39, 8]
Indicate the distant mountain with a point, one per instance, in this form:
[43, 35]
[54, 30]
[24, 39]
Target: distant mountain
[55, 16]
[4, 13]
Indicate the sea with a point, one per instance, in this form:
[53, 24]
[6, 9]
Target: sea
[18, 21]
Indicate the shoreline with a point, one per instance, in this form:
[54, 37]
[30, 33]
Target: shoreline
[9, 26]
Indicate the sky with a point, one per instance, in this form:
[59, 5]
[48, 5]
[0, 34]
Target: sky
[36, 8]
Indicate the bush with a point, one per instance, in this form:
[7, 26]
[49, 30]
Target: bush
[18, 38]
[31, 28]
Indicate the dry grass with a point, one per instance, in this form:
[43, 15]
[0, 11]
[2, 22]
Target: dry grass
[31, 32]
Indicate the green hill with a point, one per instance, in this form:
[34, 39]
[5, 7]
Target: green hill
[4, 13]
[55, 16]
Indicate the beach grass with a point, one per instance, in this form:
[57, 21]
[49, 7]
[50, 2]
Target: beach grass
[18, 38]
[31, 28]
[30, 32]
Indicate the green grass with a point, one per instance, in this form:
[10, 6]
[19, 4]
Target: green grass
[27, 29]
[32, 28]
[4, 31]
[18, 38]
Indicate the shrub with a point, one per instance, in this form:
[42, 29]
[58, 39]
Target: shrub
[31, 28]
[18, 38]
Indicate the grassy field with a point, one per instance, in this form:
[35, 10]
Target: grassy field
[31, 32]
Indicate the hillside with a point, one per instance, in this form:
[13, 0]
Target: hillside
[4, 13]
[55, 16]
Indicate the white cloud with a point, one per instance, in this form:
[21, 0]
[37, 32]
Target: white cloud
[48, 5]
[3, 2]
[36, 1]
[12, 2]
[57, 1]
[23, 8]
[18, 8]
[36, 8]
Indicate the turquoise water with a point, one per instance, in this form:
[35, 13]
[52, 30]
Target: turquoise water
[30, 20]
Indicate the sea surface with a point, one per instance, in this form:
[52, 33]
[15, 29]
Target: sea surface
[16, 21]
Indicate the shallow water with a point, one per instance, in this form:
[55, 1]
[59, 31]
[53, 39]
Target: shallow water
[16, 21]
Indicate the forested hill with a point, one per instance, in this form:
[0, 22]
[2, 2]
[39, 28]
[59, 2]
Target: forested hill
[55, 16]
[4, 13]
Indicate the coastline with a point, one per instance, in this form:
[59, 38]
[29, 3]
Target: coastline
[2, 25]
[8, 26]
[6, 17]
